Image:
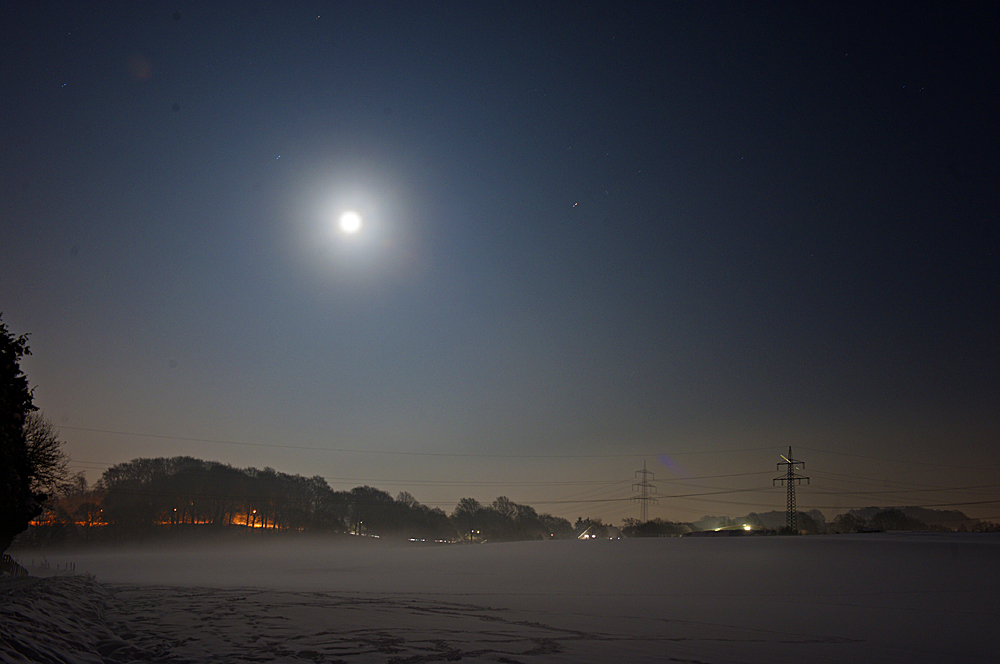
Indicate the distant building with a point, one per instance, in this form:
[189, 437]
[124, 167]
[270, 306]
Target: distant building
[600, 531]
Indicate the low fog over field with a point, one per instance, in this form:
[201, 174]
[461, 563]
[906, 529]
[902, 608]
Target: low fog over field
[913, 598]
[286, 267]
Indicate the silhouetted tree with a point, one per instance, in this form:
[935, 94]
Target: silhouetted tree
[406, 499]
[416, 521]
[556, 526]
[981, 527]
[371, 511]
[332, 507]
[137, 496]
[224, 490]
[807, 524]
[653, 528]
[848, 523]
[499, 520]
[895, 519]
[19, 504]
[529, 525]
[46, 457]
[75, 485]
[503, 521]
[88, 515]
[467, 517]
[264, 493]
[436, 524]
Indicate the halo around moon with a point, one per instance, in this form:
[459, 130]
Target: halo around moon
[350, 222]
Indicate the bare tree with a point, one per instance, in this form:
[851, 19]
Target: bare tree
[46, 457]
[88, 515]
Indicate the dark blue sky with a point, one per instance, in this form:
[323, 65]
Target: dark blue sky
[596, 234]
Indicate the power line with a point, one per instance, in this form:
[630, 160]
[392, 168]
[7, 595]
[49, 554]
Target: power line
[833, 491]
[457, 483]
[875, 458]
[94, 465]
[409, 453]
[712, 477]
[857, 479]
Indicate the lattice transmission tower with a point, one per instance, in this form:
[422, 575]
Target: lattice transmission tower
[645, 488]
[790, 479]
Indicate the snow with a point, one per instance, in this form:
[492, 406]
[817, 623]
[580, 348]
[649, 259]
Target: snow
[865, 598]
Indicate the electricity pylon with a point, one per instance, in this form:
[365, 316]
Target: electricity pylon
[644, 488]
[790, 479]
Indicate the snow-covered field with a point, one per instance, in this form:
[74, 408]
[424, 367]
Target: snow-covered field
[867, 598]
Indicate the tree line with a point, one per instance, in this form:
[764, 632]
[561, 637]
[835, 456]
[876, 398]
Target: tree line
[145, 497]
[876, 519]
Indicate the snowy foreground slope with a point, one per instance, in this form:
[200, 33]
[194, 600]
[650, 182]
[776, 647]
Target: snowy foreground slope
[871, 598]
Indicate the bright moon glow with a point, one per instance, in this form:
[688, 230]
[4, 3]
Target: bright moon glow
[350, 222]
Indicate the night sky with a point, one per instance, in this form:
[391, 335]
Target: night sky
[595, 235]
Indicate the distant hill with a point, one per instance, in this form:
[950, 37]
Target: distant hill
[775, 519]
[812, 521]
[950, 519]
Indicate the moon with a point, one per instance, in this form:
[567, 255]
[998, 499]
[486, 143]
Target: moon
[350, 222]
